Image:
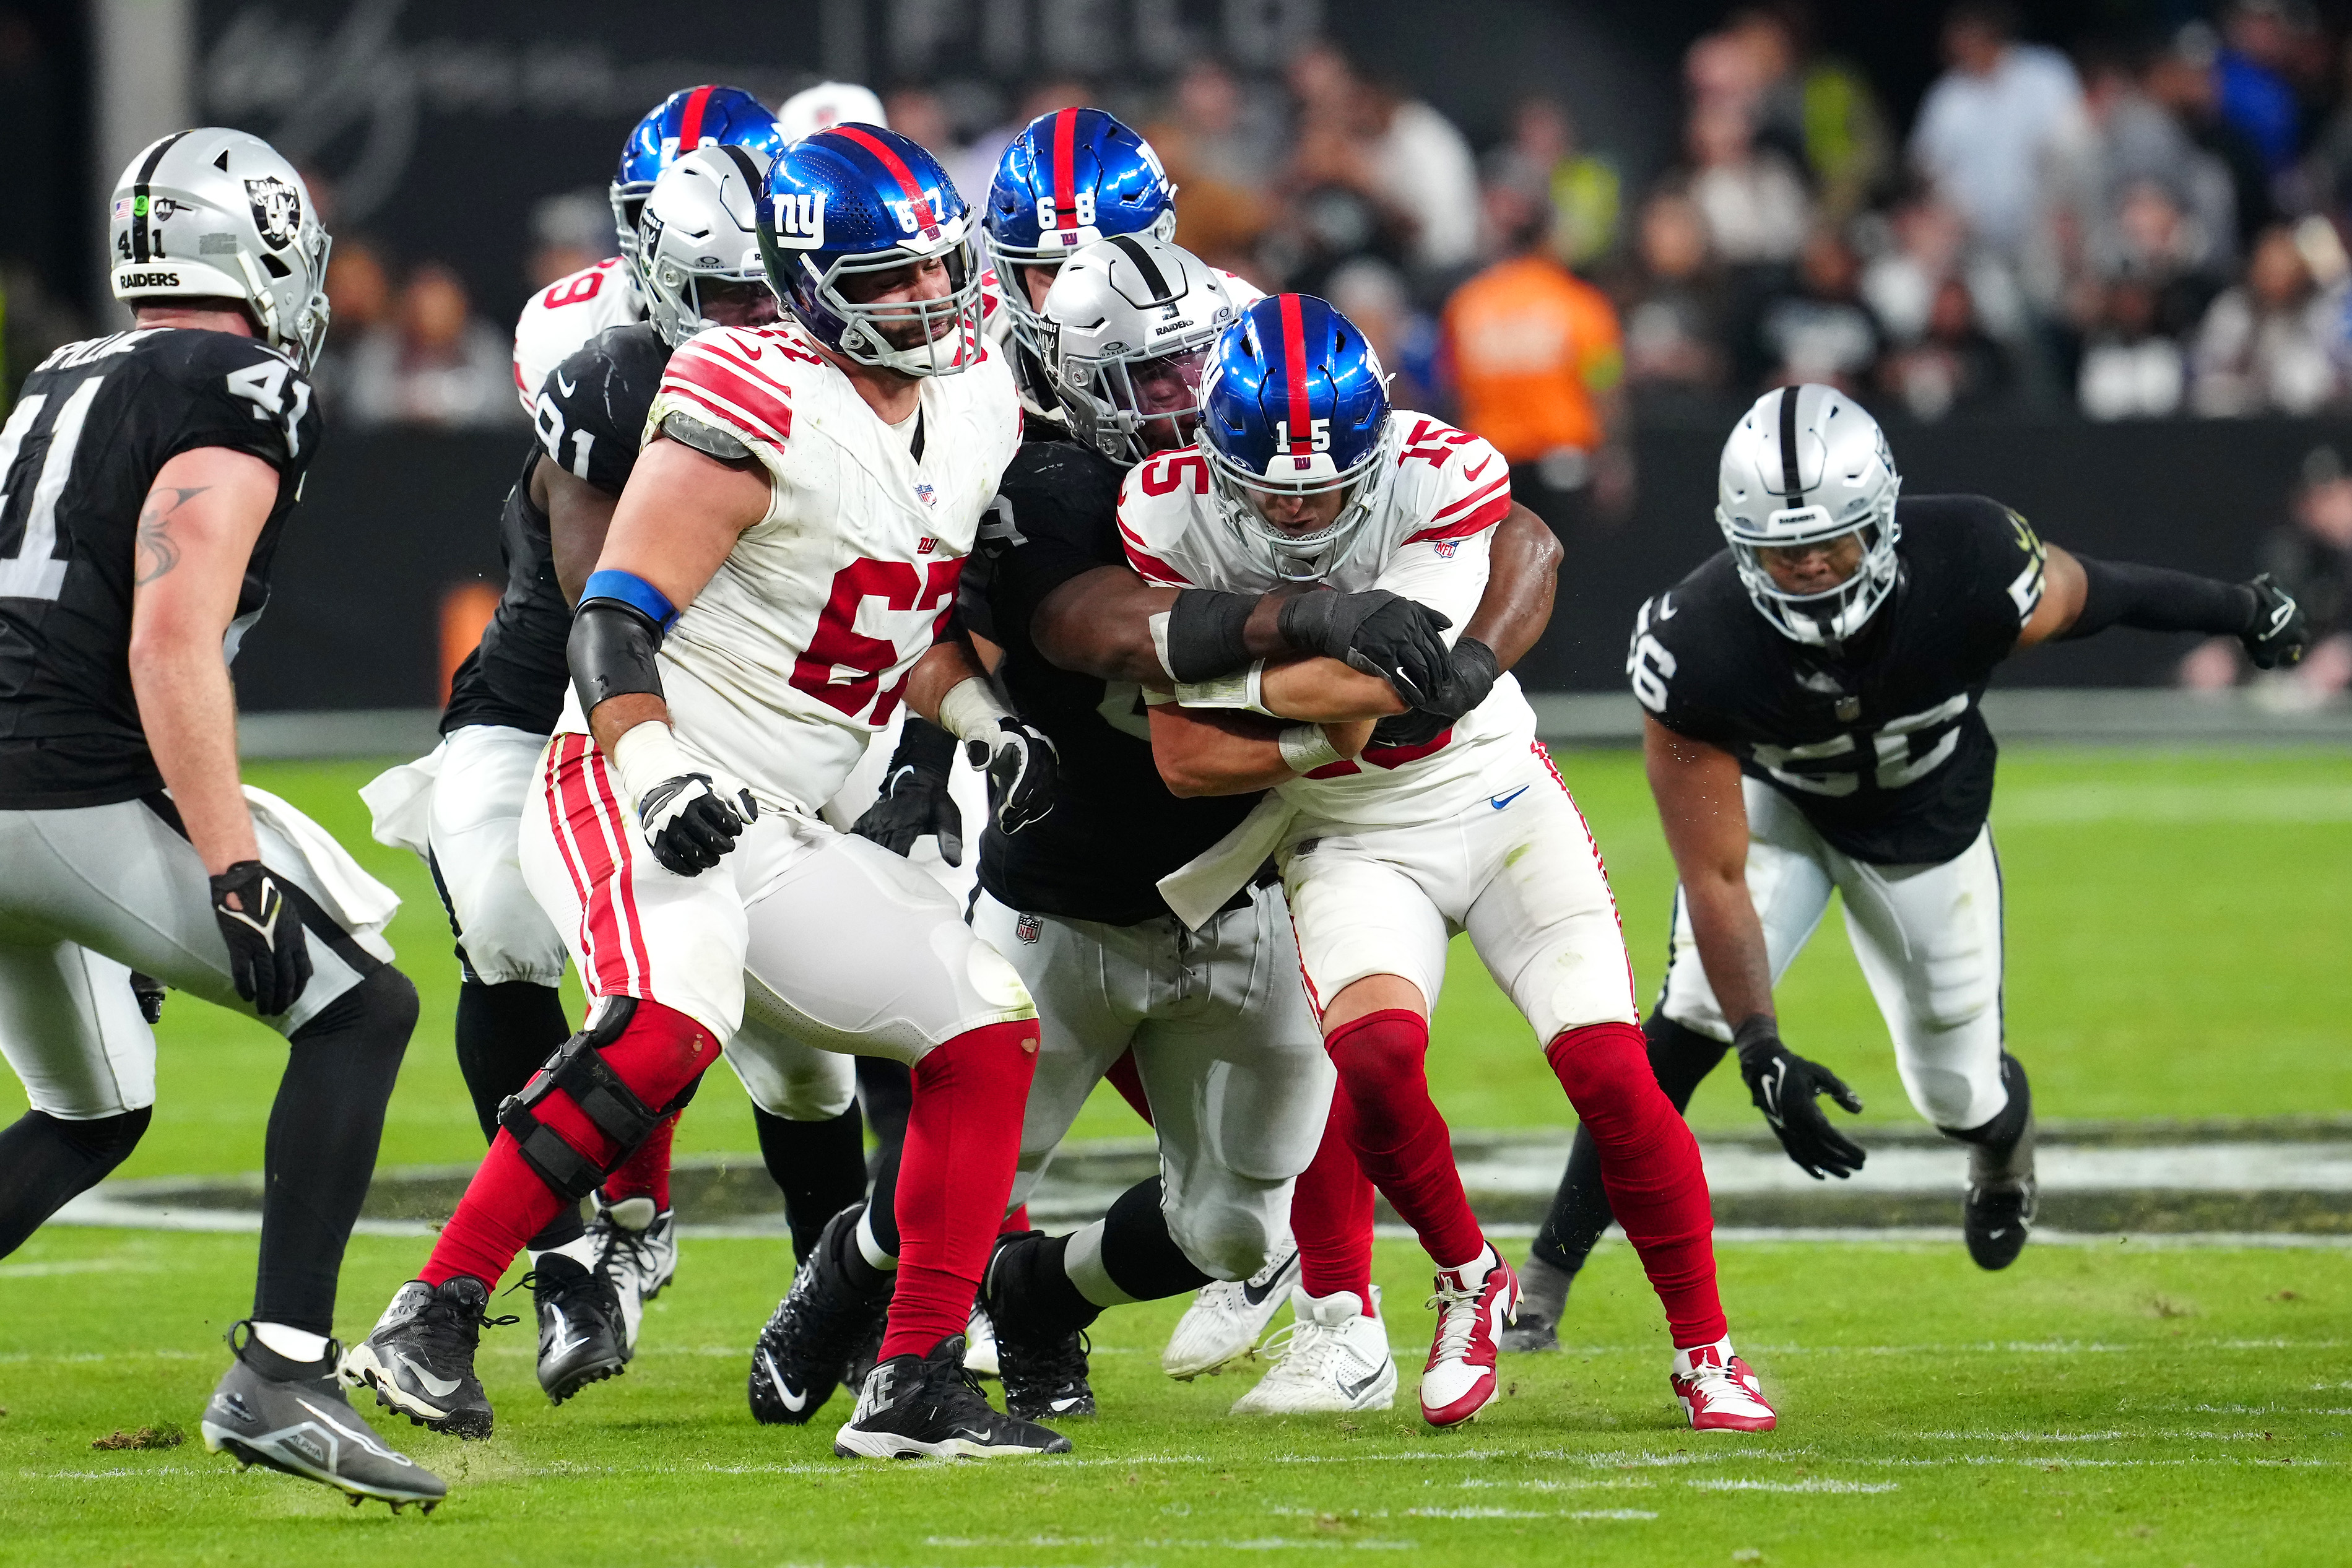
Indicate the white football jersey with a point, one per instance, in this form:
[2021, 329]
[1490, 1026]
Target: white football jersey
[565, 314]
[1428, 541]
[797, 654]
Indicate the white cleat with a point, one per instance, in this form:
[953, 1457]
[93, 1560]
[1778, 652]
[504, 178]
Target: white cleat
[1335, 1357]
[980, 1356]
[1474, 1303]
[1226, 1320]
[1718, 1392]
[635, 1246]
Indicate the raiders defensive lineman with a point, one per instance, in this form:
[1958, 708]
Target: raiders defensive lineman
[145, 481]
[1813, 725]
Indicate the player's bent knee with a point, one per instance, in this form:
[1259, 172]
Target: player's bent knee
[583, 1115]
[1948, 1097]
[1230, 1238]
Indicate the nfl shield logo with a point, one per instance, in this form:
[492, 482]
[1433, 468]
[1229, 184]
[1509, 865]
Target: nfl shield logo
[1027, 928]
[926, 494]
[1445, 548]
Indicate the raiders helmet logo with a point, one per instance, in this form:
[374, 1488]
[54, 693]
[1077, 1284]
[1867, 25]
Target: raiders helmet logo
[276, 210]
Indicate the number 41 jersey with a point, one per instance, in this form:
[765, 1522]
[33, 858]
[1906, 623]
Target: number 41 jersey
[1883, 748]
[96, 421]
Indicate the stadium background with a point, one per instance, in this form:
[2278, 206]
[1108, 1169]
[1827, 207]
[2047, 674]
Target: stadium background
[2179, 892]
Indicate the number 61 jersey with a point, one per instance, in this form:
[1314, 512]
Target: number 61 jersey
[797, 651]
[1883, 748]
[96, 421]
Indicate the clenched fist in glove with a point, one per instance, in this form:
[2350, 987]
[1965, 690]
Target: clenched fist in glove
[1019, 759]
[915, 799]
[1784, 1086]
[268, 959]
[691, 815]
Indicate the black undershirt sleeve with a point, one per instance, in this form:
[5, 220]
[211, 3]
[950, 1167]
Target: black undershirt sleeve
[2158, 599]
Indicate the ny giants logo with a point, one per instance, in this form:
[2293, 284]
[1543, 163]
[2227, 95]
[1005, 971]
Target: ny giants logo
[799, 219]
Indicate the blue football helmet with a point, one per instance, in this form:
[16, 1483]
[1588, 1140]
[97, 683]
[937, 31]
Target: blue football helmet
[694, 117]
[1070, 178]
[1293, 403]
[856, 199]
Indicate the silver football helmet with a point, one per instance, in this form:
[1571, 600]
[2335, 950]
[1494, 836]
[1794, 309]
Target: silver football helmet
[1127, 329]
[1805, 466]
[217, 214]
[698, 228]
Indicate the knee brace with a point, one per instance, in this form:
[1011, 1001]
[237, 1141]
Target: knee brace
[611, 1107]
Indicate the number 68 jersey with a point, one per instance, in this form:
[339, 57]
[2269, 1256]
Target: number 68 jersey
[797, 650]
[1883, 748]
[96, 421]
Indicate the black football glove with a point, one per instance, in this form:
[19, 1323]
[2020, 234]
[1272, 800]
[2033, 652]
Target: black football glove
[1784, 1085]
[268, 961]
[2279, 634]
[915, 800]
[1022, 765]
[150, 992]
[1375, 632]
[1467, 684]
[693, 819]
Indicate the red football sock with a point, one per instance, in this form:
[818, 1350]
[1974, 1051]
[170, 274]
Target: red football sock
[963, 1136]
[1124, 1078]
[659, 1053]
[1398, 1136]
[1331, 1214]
[646, 1173]
[1649, 1167]
[1015, 1223]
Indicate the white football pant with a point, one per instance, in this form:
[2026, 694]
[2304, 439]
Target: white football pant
[1927, 938]
[1229, 1055]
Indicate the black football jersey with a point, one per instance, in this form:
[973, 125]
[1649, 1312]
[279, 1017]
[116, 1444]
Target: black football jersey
[96, 421]
[1114, 829]
[1883, 748]
[589, 419]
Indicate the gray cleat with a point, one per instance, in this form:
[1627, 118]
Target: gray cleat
[292, 1417]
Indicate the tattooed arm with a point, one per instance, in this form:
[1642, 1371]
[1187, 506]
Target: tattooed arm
[196, 535]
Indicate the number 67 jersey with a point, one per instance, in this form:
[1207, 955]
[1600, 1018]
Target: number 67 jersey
[96, 421]
[797, 651]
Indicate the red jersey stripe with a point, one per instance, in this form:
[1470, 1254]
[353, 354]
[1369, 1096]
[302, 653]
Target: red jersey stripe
[1500, 482]
[746, 401]
[1477, 522]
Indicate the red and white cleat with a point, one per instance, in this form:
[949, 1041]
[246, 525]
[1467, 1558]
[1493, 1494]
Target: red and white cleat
[1474, 1303]
[1718, 1392]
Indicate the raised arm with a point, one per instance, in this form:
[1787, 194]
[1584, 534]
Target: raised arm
[2083, 596]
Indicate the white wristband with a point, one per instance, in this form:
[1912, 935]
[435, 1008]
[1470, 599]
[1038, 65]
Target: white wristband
[1305, 747]
[972, 711]
[647, 754]
[1242, 691]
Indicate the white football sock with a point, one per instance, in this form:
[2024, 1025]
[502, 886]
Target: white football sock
[293, 1344]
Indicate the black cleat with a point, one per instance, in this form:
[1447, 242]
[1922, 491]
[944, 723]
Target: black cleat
[869, 1349]
[420, 1359]
[1044, 1372]
[1998, 1212]
[823, 1322]
[1996, 1219]
[928, 1406]
[581, 1337]
[292, 1417]
[1532, 1332]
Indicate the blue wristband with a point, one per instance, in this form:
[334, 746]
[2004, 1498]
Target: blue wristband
[627, 587]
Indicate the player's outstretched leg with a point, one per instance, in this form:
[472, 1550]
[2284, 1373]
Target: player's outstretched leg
[837, 1302]
[1998, 1210]
[1657, 1188]
[601, 1096]
[1227, 1318]
[291, 1416]
[963, 1136]
[1681, 1058]
[1403, 1145]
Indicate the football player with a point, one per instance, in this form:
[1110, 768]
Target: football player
[1303, 474]
[145, 481]
[1812, 725]
[771, 589]
[1230, 1064]
[699, 268]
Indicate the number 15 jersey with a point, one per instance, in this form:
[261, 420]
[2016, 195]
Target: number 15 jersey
[797, 650]
[95, 423]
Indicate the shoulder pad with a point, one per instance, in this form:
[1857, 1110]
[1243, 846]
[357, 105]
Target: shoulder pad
[705, 438]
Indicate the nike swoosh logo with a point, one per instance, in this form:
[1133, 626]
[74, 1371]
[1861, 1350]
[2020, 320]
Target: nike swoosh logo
[1356, 1390]
[440, 1388]
[565, 1340]
[1772, 1093]
[1256, 1297]
[795, 1403]
[1667, 609]
[1473, 473]
[566, 388]
[1061, 1404]
[365, 1440]
[1499, 801]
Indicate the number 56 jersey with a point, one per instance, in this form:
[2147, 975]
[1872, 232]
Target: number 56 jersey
[1427, 540]
[797, 651]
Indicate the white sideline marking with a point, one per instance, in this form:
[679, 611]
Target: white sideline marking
[78, 1266]
[1823, 1486]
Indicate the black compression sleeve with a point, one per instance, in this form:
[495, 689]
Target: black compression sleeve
[2158, 598]
[611, 652]
[1204, 634]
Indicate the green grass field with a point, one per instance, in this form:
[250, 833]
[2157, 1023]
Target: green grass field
[2177, 932]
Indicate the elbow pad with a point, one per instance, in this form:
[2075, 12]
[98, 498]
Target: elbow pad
[611, 652]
